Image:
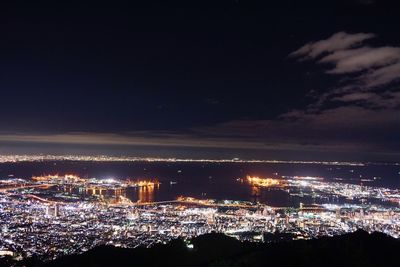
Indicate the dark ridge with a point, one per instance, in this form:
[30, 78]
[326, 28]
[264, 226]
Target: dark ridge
[355, 249]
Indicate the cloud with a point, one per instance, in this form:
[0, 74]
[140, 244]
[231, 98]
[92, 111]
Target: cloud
[381, 76]
[367, 76]
[141, 138]
[364, 105]
[355, 60]
[336, 42]
[357, 97]
[360, 120]
[386, 100]
[349, 127]
[347, 54]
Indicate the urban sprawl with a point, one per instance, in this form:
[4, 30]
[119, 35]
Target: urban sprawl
[55, 215]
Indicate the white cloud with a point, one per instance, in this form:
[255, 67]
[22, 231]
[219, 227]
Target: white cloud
[376, 66]
[354, 60]
[338, 41]
[366, 73]
[381, 76]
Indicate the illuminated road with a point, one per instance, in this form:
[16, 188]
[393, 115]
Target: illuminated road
[200, 203]
[41, 199]
[15, 187]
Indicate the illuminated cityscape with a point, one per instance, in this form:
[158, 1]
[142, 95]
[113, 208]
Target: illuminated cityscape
[104, 158]
[200, 133]
[55, 215]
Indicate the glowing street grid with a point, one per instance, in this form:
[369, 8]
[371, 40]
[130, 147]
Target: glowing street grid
[79, 214]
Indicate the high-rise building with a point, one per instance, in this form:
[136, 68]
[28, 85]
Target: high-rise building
[338, 213]
[53, 211]
[56, 210]
[48, 211]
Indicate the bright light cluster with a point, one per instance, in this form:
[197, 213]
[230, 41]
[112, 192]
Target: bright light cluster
[264, 182]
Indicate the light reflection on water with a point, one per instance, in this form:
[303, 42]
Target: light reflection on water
[218, 181]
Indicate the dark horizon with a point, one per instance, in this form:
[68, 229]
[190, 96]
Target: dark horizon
[285, 81]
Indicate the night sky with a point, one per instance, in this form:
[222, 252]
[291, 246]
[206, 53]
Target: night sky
[305, 80]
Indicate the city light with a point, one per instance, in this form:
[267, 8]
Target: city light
[264, 182]
[55, 215]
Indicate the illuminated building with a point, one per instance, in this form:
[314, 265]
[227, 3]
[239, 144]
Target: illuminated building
[264, 182]
[52, 210]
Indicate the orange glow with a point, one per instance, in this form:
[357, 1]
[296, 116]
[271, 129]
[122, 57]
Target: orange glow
[195, 200]
[146, 194]
[66, 178]
[143, 183]
[264, 182]
[255, 191]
